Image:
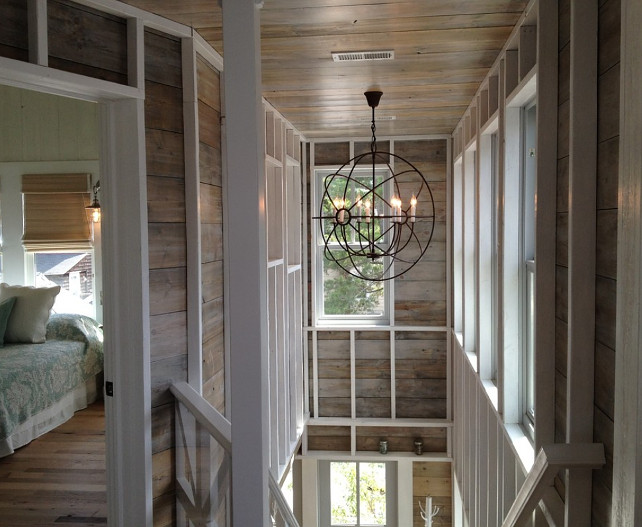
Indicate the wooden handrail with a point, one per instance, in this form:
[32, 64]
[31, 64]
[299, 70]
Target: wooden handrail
[549, 460]
[206, 415]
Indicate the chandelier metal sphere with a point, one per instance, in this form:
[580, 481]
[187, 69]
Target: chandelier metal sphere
[377, 212]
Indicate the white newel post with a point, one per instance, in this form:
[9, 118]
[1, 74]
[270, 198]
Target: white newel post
[246, 243]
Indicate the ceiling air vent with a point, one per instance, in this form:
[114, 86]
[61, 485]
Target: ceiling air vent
[360, 56]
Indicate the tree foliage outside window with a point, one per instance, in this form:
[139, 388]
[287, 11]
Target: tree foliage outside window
[342, 293]
[358, 494]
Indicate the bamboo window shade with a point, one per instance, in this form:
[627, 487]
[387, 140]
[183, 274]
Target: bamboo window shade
[54, 215]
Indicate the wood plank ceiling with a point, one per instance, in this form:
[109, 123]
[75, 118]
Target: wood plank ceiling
[443, 49]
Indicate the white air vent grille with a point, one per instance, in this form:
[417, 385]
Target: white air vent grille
[360, 56]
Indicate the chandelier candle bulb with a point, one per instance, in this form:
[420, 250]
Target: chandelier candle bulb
[339, 204]
[367, 207]
[413, 208]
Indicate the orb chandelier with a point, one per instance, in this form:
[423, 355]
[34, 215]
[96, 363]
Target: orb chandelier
[377, 212]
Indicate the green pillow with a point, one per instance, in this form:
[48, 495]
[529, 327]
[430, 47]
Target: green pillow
[5, 312]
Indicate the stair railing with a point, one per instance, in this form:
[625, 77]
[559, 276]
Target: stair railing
[549, 460]
[203, 466]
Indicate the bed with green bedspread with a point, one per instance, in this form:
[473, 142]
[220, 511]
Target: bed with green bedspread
[37, 379]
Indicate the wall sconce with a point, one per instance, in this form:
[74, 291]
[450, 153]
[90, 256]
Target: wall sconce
[94, 208]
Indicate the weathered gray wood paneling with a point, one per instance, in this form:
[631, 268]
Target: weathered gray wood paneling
[88, 42]
[211, 207]
[167, 255]
[14, 36]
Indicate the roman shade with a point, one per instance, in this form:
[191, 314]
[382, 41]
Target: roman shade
[54, 216]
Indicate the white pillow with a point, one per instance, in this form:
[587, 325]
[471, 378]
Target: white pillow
[30, 313]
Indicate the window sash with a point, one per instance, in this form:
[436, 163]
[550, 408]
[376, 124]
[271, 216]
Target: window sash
[320, 259]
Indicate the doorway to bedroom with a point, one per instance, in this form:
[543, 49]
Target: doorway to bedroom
[51, 265]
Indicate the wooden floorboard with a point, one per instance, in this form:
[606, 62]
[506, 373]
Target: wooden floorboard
[58, 479]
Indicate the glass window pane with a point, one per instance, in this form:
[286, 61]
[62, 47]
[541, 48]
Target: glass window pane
[352, 215]
[344, 294]
[73, 272]
[372, 494]
[530, 341]
[343, 493]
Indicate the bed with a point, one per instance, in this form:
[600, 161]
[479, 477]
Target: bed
[42, 385]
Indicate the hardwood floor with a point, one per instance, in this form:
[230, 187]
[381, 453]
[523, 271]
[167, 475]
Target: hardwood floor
[58, 479]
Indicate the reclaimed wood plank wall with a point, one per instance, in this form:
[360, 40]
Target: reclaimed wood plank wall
[88, 42]
[211, 192]
[606, 258]
[606, 244]
[167, 254]
[14, 37]
[420, 356]
[432, 479]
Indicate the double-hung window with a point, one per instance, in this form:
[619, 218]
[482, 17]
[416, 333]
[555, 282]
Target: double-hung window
[495, 240]
[527, 271]
[340, 297]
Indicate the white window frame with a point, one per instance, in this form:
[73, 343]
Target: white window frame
[528, 174]
[495, 257]
[318, 257]
[325, 503]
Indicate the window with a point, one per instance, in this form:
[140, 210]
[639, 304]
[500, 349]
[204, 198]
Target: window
[357, 493]
[74, 273]
[58, 238]
[527, 270]
[341, 297]
[495, 237]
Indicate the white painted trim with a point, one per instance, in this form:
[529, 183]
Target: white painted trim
[211, 419]
[150, 20]
[127, 331]
[524, 91]
[374, 327]
[500, 56]
[627, 451]
[548, 462]
[546, 218]
[367, 139]
[393, 374]
[247, 256]
[305, 277]
[206, 51]
[226, 259]
[353, 377]
[192, 217]
[39, 78]
[376, 457]
[511, 260]
[501, 169]
[38, 41]
[310, 482]
[287, 124]
[404, 422]
[581, 250]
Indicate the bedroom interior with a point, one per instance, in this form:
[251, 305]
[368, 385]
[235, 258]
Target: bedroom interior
[486, 378]
[49, 163]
